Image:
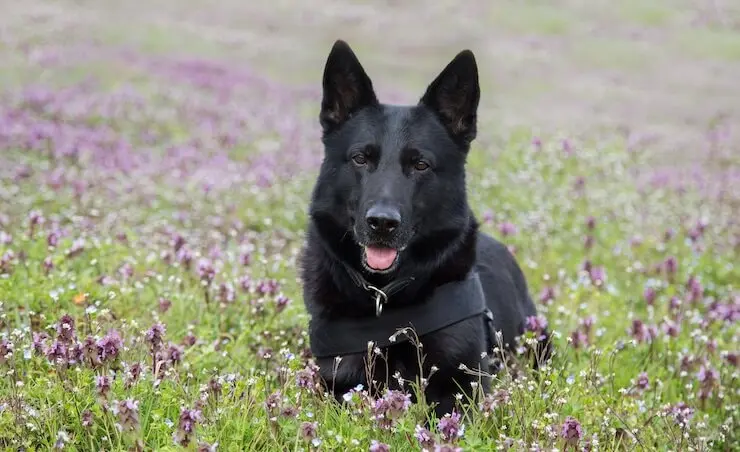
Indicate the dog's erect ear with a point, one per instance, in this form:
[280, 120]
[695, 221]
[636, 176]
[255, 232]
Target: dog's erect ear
[454, 97]
[347, 88]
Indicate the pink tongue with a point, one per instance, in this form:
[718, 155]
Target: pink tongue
[380, 258]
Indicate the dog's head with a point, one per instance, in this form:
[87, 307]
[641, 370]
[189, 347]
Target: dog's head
[393, 177]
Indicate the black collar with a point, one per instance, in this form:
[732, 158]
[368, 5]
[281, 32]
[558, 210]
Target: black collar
[449, 304]
[381, 294]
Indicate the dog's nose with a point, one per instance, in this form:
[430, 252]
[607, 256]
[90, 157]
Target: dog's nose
[382, 219]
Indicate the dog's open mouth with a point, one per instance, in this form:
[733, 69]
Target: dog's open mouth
[380, 258]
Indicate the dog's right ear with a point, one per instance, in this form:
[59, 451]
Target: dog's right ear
[347, 88]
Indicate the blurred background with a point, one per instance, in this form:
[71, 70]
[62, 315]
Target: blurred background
[665, 72]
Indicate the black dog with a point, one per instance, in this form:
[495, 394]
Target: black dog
[392, 242]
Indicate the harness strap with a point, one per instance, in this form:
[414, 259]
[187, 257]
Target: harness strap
[449, 304]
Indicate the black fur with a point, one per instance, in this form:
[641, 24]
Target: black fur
[411, 163]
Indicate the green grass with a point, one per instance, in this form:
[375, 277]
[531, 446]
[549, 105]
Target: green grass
[249, 348]
[532, 18]
[653, 14]
[714, 44]
[520, 186]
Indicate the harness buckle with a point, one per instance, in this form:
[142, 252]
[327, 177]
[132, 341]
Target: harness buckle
[381, 298]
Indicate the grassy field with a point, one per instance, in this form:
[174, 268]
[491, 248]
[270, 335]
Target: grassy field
[155, 166]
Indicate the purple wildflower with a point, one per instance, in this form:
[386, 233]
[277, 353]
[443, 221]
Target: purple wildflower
[671, 328]
[398, 403]
[75, 353]
[671, 266]
[178, 242]
[164, 305]
[641, 332]
[506, 229]
[537, 143]
[376, 446]
[35, 218]
[206, 271]
[174, 354]
[126, 271]
[245, 259]
[309, 430]
[62, 440]
[681, 414]
[186, 426]
[547, 294]
[205, 447]
[537, 324]
[48, 264]
[281, 302]
[128, 414]
[214, 387]
[590, 223]
[447, 448]
[695, 289]
[708, 378]
[189, 340]
[6, 351]
[289, 411]
[133, 374]
[226, 293]
[578, 339]
[674, 304]
[649, 295]
[91, 351]
[571, 432]
[567, 147]
[449, 426]
[731, 358]
[273, 403]
[185, 257]
[424, 437]
[267, 287]
[598, 275]
[306, 378]
[57, 353]
[52, 239]
[264, 352]
[586, 324]
[109, 347]
[155, 336]
[387, 409]
[642, 382]
[87, 419]
[102, 385]
[78, 246]
[66, 329]
[6, 262]
[245, 282]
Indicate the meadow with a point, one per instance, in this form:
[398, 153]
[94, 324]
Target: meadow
[156, 161]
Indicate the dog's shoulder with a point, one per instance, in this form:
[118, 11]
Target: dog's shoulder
[491, 251]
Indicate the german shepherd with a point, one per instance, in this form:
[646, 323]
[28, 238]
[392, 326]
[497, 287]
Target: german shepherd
[390, 205]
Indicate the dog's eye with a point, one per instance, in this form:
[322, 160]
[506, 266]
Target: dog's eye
[359, 159]
[421, 166]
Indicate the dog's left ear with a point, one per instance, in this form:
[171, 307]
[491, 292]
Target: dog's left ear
[454, 97]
